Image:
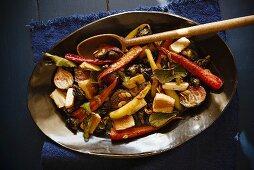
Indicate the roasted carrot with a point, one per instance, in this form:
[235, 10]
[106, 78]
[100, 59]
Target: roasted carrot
[121, 62]
[204, 75]
[79, 114]
[136, 131]
[98, 100]
[130, 132]
[166, 45]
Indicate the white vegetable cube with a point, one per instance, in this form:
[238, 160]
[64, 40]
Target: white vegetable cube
[59, 98]
[163, 103]
[179, 45]
[175, 86]
[69, 101]
[124, 122]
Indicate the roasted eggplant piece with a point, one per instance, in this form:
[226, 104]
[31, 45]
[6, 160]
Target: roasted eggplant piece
[72, 124]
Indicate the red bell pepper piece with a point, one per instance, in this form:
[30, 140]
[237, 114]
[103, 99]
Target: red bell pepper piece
[204, 75]
[121, 62]
[97, 101]
[80, 59]
[166, 45]
[136, 131]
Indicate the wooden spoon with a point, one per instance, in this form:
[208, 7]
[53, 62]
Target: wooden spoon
[88, 46]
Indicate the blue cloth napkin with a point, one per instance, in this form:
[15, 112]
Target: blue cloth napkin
[215, 148]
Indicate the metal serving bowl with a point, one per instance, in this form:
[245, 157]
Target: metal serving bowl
[49, 120]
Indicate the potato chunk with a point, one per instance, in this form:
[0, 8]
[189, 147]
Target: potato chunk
[124, 122]
[59, 97]
[163, 103]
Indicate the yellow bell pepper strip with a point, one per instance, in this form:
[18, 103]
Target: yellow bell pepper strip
[132, 106]
[175, 96]
[80, 59]
[150, 59]
[121, 62]
[98, 100]
[155, 84]
[205, 76]
[134, 32]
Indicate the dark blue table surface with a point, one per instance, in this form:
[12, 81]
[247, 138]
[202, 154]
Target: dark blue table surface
[21, 141]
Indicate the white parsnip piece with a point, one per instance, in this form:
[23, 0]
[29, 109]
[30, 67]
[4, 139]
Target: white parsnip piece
[59, 98]
[69, 101]
[179, 45]
[124, 122]
[176, 86]
[163, 103]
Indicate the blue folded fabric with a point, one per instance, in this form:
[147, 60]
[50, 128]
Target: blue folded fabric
[215, 148]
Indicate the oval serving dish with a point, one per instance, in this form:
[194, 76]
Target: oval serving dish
[49, 120]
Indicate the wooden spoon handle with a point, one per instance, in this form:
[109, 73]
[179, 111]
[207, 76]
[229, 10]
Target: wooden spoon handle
[193, 30]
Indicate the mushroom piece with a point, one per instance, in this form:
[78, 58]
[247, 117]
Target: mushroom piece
[120, 98]
[108, 52]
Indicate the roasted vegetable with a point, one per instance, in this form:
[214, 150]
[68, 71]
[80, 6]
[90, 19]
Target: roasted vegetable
[88, 87]
[136, 131]
[63, 79]
[131, 107]
[176, 86]
[72, 124]
[59, 61]
[141, 30]
[80, 114]
[134, 81]
[193, 96]
[179, 45]
[163, 103]
[205, 76]
[150, 59]
[134, 92]
[134, 69]
[80, 59]
[175, 96]
[120, 98]
[89, 66]
[124, 122]
[69, 101]
[81, 74]
[59, 98]
[108, 52]
[97, 101]
[125, 59]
